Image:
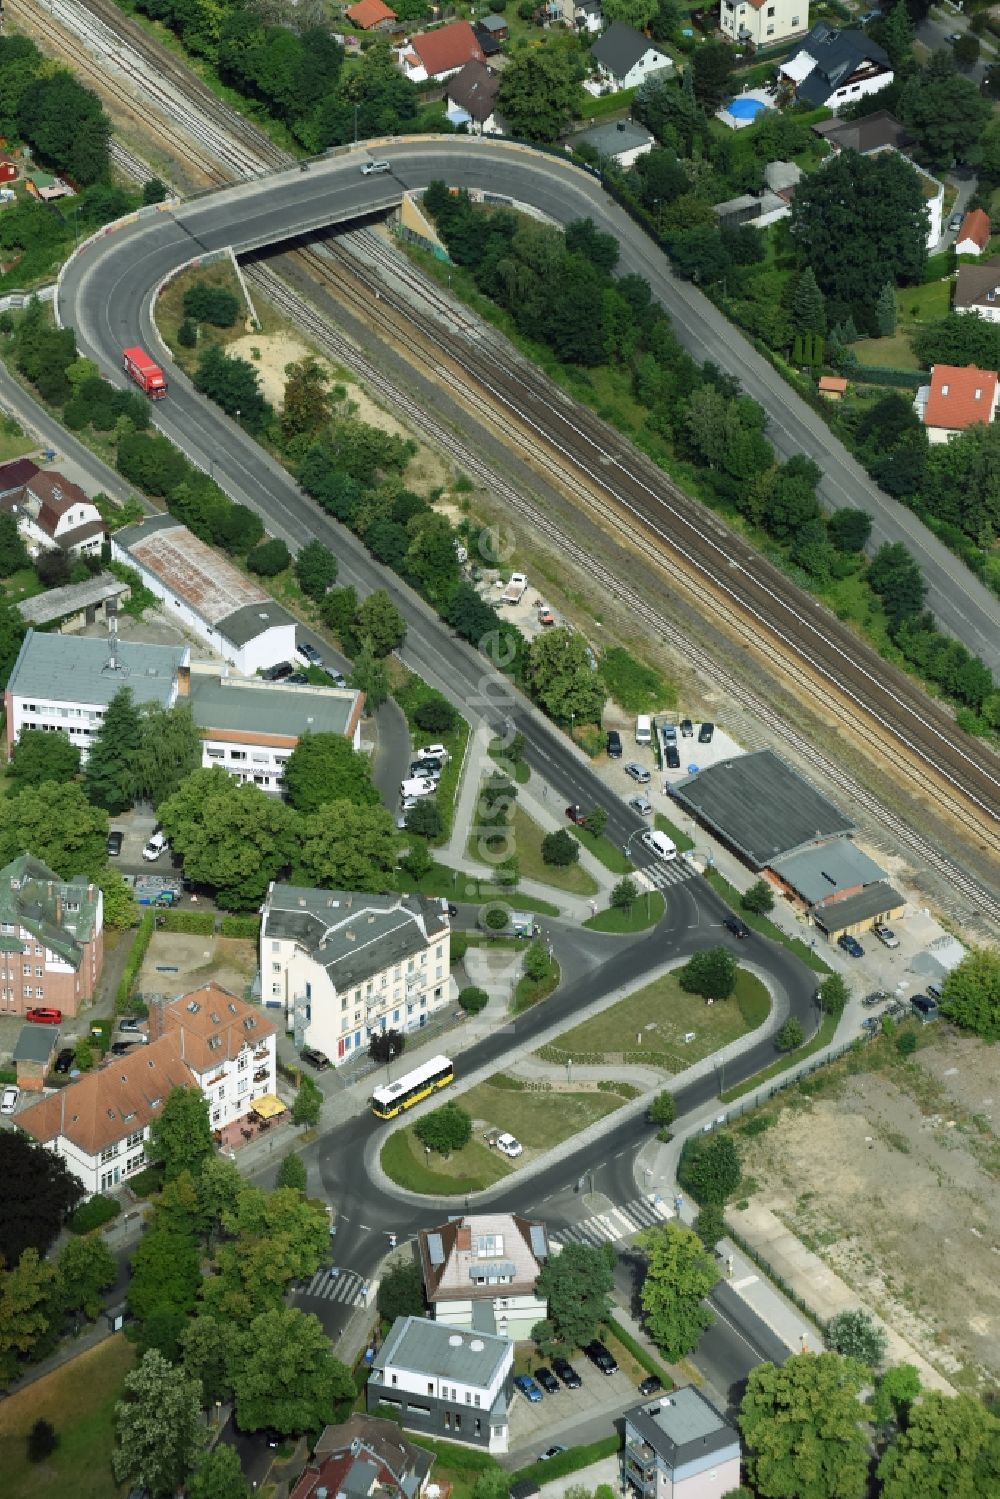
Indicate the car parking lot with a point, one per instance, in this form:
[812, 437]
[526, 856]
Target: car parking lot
[599, 1396]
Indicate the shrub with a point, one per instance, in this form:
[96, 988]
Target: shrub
[269, 558]
[709, 1170]
[791, 1035]
[906, 1043]
[711, 973]
[187, 334]
[292, 1173]
[759, 898]
[635, 687]
[93, 1213]
[211, 304]
[42, 1441]
[147, 1182]
[662, 1109]
[560, 849]
[473, 999]
[445, 1129]
[435, 714]
[195, 923]
[241, 926]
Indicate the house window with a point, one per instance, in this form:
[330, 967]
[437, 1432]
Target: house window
[109, 1154]
[770, 31]
[477, 1402]
[393, 1379]
[430, 1387]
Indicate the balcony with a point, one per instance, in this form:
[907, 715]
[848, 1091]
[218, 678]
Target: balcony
[262, 1053]
[262, 1074]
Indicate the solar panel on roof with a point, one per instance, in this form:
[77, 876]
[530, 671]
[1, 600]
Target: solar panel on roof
[435, 1248]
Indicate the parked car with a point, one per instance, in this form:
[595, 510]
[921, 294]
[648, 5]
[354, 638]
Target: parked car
[871, 1024]
[552, 1451]
[157, 844]
[641, 805]
[8, 1103]
[315, 1058]
[431, 752]
[614, 745]
[650, 1385]
[550, 1385]
[115, 840]
[885, 935]
[672, 757]
[278, 672]
[954, 36]
[874, 998]
[601, 1357]
[527, 1387]
[955, 223]
[668, 733]
[64, 1060]
[851, 945]
[44, 1015]
[309, 653]
[706, 733]
[120, 1048]
[336, 677]
[638, 773]
[426, 768]
[129, 1023]
[687, 729]
[576, 815]
[736, 925]
[566, 1373]
[508, 1146]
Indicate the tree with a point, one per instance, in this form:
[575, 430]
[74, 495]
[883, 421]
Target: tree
[205, 1354]
[13, 552]
[971, 994]
[315, 569]
[283, 1374]
[157, 1426]
[473, 1000]
[494, 1483]
[808, 305]
[271, 1239]
[233, 838]
[563, 679]
[234, 385]
[425, 819]
[269, 558]
[596, 821]
[379, 625]
[324, 768]
[662, 1109]
[27, 1294]
[560, 849]
[211, 304]
[42, 757]
[181, 1136]
[802, 1430]
[401, 1292]
[950, 1449]
[857, 1335]
[110, 778]
[292, 1173]
[710, 973]
[445, 1129]
[886, 311]
[634, 13]
[385, 1046]
[895, 1392]
[370, 677]
[171, 748]
[898, 34]
[582, 237]
[42, 1440]
[436, 715]
[39, 1192]
[306, 404]
[790, 1035]
[347, 847]
[710, 1170]
[218, 1475]
[624, 894]
[710, 1224]
[849, 529]
[832, 995]
[12, 632]
[712, 70]
[469, 615]
[576, 1285]
[946, 112]
[308, 1102]
[537, 963]
[539, 92]
[759, 898]
[59, 827]
[679, 1275]
[86, 1268]
[67, 126]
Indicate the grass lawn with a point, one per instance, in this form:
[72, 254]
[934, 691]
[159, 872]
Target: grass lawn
[521, 769]
[650, 1026]
[766, 926]
[79, 1400]
[22, 585]
[893, 352]
[458, 886]
[530, 991]
[610, 855]
[924, 304]
[645, 913]
[13, 442]
[540, 1119]
[476, 1166]
[528, 838]
[683, 840]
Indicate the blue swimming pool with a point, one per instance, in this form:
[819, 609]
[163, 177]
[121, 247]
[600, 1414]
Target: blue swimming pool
[745, 109]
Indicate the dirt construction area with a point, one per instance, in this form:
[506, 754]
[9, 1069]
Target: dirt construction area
[887, 1169]
[177, 962]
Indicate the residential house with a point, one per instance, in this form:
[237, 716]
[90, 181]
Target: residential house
[834, 68]
[54, 512]
[208, 595]
[977, 290]
[365, 1458]
[679, 1446]
[832, 387]
[957, 397]
[51, 939]
[8, 168]
[99, 1123]
[45, 187]
[871, 133]
[480, 1272]
[15, 475]
[437, 55]
[344, 965]
[763, 23]
[622, 141]
[371, 15]
[495, 26]
[472, 98]
[974, 235]
[625, 58]
[445, 1383]
[838, 886]
[578, 15]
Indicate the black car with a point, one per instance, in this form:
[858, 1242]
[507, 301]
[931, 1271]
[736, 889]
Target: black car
[736, 925]
[297, 679]
[566, 1373]
[115, 841]
[601, 1357]
[278, 672]
[64, 1060]
[315, 1058]
[614, 745]
[651, 1385]
[119, 1048]
[672, 756]
[547, 1380]
[705, 733]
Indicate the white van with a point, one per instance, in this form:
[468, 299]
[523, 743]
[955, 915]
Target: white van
[155, 847]
[644, 729]
[416, 787]
[659, 844]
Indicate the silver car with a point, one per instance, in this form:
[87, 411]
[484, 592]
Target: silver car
[641, 805]
[638, 772]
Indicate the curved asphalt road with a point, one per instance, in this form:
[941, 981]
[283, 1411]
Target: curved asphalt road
[107, 288]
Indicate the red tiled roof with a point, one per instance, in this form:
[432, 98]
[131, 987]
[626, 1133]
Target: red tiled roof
[960, 396]
[975, 226]
[833, 382]
[16, 474]
[448, 47]
[368, 13]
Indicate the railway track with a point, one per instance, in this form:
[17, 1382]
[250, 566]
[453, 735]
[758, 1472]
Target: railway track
[793, 626]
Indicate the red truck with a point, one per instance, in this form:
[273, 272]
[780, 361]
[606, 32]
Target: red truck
[145, 372]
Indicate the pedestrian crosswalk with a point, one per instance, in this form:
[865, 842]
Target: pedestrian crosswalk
[337, 1285]
[662, 874]
[616, 1222]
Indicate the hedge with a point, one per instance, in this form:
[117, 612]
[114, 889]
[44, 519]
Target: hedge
[569, 1462]
[93, 1213]
[147, 1181]
[883, 374]
[241, 926]
[198, 923]
[135, 959]
[639, 1353]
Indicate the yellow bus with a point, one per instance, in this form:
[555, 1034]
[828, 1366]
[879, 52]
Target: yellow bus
[412, 1087]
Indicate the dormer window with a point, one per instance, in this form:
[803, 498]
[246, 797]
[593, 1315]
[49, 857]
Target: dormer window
[944, 390]
[979, 392]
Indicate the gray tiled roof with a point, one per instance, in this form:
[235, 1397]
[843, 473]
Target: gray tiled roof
[760, 806]
[434, 1348]
[36, 1043]
[60, 913]
[683, 1427]
[837, 55]
[353, 935]
[270, 708]
[610, 140]
[56, 603]
[873, 900]
[69, 669]
[817, 873]
[246, 624]
[620, 48]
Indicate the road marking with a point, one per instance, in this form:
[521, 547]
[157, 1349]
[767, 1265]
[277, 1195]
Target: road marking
[748, 1280]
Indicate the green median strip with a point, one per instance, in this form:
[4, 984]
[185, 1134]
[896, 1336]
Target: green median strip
[646, 912]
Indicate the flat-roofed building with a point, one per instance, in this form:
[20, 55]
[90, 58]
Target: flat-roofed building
[445, 1382]
[679, 1446]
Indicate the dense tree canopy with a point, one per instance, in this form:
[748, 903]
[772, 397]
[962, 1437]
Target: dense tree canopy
[576, 1285]
[233, 838]
[971, 995]
[57, 825]
[325, 768]
[42, 757]
[802, 1428]
[39, 1191]
[539, 92]
[679, 1275]
[945, 111]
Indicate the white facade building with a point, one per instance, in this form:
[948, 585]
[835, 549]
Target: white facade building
[445, 1382]
[765, 23]
[343, 965]
[480, 1273]
[625, 57]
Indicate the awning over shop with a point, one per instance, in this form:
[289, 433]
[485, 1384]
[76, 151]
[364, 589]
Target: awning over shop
[268, 1106]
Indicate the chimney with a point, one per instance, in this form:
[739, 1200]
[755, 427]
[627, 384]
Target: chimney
[463, 1239]
[183, 681]
[157, 1023]
[59, 909]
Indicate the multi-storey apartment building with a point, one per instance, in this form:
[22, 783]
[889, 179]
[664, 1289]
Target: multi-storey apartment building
[51, 939]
